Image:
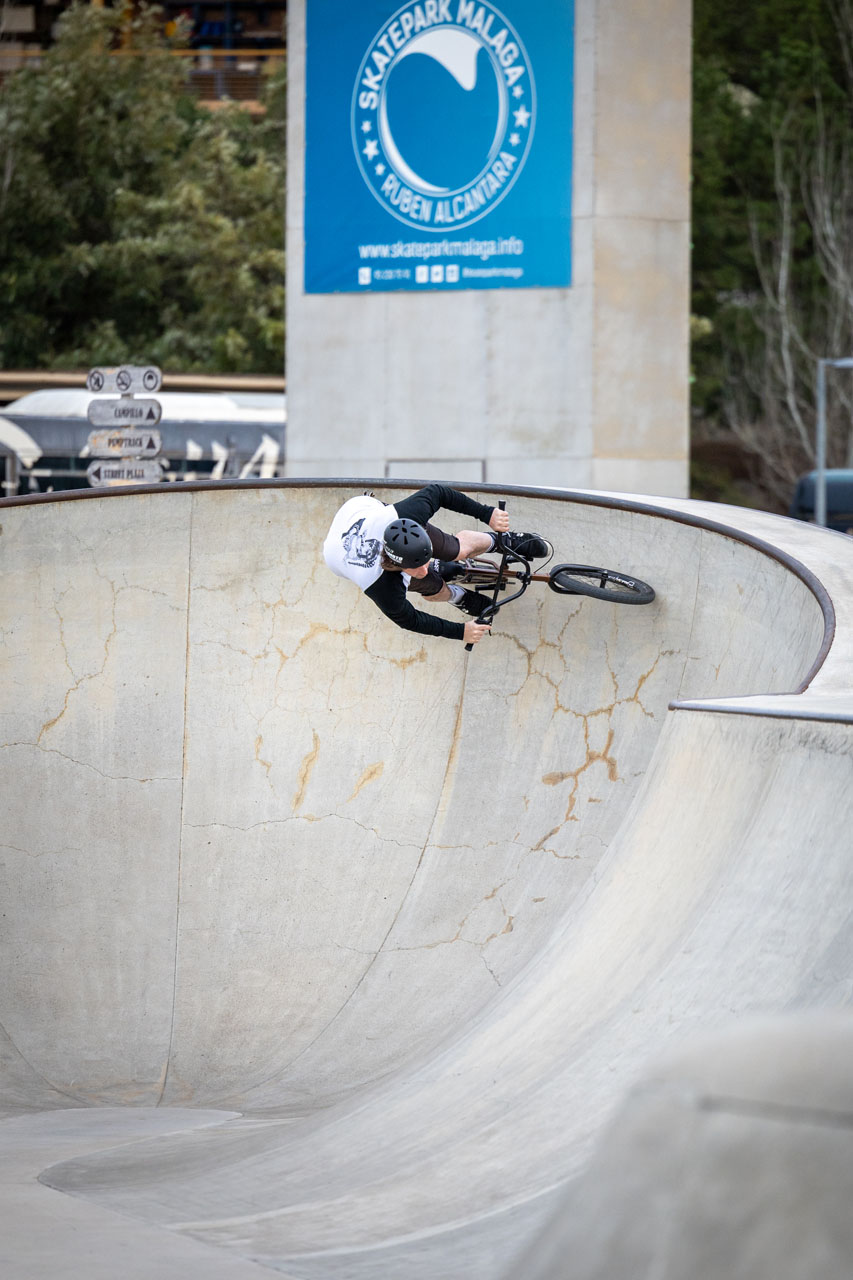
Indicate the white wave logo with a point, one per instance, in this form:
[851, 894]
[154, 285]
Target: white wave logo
[443, 113]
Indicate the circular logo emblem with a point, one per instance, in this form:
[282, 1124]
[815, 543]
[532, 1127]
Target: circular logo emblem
[443, 113]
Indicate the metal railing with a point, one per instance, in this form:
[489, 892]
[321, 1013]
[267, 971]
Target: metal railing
[215, 75]
[18, 382]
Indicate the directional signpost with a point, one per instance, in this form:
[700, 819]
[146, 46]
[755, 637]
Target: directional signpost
[125, 412]
[124, 471]
[128, 436]
[124, 443]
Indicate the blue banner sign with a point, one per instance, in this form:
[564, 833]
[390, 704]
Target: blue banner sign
[438, 149]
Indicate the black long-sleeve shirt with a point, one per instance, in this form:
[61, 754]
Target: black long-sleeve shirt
[389, 591]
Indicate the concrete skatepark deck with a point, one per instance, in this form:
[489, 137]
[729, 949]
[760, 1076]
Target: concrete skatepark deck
[329, 950]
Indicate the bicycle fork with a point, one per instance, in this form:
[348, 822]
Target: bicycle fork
[489, 612]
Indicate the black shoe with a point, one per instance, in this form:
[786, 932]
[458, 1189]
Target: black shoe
[474, 603]
[529, 545]
[447, 570]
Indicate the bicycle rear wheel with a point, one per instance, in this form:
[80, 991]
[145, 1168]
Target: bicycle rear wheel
[601, 584]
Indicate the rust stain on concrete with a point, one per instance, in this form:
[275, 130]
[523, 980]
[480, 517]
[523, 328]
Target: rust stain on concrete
[305, 770]
[371, 773]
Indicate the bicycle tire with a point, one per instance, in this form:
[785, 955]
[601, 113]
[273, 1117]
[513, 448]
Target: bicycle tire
[572, 580]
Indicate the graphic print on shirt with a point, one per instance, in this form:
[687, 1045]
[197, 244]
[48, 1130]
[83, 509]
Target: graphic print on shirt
[359, 550]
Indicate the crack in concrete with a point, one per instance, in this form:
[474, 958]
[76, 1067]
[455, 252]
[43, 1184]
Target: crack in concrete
[593, 756]
[83, 764]
[56, 850]
[490, 971]
[300, 817]
[439, 808]
[164, 1079]
[457, 937]
[116, 590]
[81, 680]
[265, 764]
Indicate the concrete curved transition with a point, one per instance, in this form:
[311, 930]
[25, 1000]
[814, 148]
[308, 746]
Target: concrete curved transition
[330, 951]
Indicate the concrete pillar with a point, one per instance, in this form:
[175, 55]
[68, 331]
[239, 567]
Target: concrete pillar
[585, 386]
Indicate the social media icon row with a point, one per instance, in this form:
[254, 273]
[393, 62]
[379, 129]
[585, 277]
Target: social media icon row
[436, 274]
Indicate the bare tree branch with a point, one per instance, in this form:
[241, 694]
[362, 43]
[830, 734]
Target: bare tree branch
[799, 315]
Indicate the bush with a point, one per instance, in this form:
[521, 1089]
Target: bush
[136, 226]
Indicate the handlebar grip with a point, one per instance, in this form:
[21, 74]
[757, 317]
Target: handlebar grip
[499, 536]
[483, 621]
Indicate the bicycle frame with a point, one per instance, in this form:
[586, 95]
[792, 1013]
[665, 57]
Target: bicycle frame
[564, 579]
[524, 576]
[485, 573]
[507, 557]
[482, 572]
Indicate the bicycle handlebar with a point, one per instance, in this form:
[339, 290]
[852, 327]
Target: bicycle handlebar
[486, 616]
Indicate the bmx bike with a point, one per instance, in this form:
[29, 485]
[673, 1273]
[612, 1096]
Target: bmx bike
[516, 570]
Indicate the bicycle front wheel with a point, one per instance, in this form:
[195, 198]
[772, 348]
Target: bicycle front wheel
[601, 584]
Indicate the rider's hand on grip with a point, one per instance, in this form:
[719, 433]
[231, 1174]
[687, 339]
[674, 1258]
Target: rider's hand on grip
[499, 522]
[474, 632]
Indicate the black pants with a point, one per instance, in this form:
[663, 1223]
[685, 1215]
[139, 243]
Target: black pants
[445, 546]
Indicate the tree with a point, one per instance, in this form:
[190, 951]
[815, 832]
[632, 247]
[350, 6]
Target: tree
[772, 256]
[135, 226]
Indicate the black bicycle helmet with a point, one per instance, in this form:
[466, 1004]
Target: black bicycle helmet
[407, 544]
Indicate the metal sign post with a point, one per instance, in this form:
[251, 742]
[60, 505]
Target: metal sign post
[820, 442]
[130, 439]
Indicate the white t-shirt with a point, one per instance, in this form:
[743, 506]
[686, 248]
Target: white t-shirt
[353, 546]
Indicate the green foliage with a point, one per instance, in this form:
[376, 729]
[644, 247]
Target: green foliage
[772, 131]
[760, 72]
[134, 224]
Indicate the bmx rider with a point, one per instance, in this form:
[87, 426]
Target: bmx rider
[389, 551]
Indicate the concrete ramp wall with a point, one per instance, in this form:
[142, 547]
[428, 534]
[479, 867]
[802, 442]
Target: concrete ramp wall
[422, 915]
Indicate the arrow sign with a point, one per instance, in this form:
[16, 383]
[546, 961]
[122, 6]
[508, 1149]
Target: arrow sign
[126, 379]
[125, 412]
[126, 471]
[124, 443]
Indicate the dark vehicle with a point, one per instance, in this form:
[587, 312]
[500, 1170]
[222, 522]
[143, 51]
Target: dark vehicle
[205, 436]
[839, 499]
